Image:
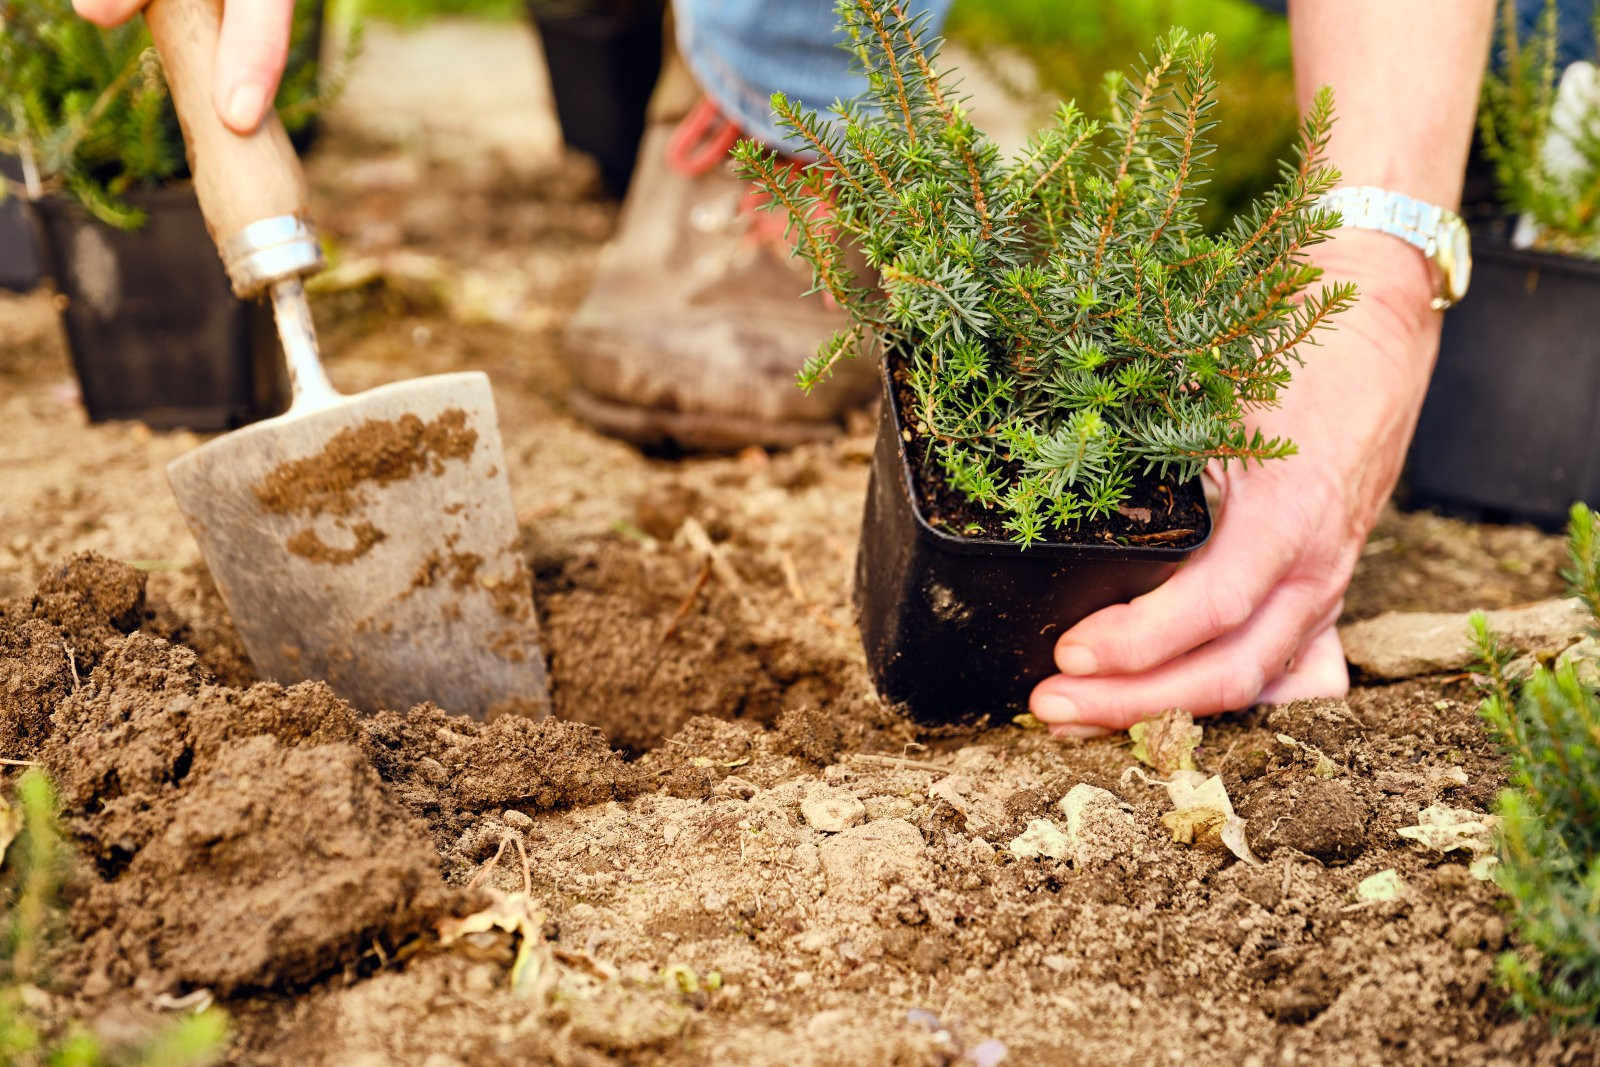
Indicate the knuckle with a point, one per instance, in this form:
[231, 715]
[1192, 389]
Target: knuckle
[1240, 686]
[1227, 609]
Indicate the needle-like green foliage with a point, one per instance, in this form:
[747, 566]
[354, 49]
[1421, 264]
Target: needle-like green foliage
[1549, 865]
[85, 111]
[1558, 188]
[35, 862]
[1065, 324]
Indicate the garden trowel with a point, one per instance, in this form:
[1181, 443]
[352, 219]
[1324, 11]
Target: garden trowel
[366, 540]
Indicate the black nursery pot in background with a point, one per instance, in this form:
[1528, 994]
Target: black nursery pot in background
[19, 256]
[1508, 429]
[956, 628]
[20, 269]
[603, 67]
[154, 329]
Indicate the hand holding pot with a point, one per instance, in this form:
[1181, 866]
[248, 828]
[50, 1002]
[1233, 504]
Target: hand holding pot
[250, 53]
[1251, 617]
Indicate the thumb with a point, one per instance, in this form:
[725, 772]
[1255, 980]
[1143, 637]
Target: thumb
[250, 57]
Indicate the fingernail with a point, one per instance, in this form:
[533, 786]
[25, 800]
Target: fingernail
[1079, 731]
[1076, 660]
[245, 105]
[1050, 707]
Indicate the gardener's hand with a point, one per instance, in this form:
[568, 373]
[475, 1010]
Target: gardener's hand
[1250, 618]
[250, 52]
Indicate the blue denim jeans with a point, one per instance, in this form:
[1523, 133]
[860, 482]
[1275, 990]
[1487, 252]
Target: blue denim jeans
[741, 51]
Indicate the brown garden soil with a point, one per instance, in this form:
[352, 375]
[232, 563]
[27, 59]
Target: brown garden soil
[298, 862]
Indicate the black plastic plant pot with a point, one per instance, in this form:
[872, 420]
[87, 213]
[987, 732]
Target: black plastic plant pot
[19, 256]
[957, 628]
[154, 330]
[20, 269]
[1508, 429]
[603, 68]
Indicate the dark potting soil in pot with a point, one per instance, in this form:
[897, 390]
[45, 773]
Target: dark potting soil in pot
[1157, 511]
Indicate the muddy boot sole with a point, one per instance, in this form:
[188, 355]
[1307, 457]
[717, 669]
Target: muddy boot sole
[695, 431]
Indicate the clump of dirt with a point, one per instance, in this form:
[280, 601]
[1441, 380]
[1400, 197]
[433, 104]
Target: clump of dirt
[89, 596]
[187, 610]
[447, 769]
[1324, 819]
[35, 676]
[49, 641]
[238, 838]
[147, 719]
[378, 450]
[277, 864]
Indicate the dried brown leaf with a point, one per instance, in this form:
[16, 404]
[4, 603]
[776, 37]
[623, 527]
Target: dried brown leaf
[1166, 743]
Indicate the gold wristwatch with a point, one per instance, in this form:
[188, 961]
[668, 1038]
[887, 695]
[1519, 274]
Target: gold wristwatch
[1438, 232]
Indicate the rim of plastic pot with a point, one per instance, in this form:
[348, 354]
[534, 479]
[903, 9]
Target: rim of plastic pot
[984, 546]
[1493, 241]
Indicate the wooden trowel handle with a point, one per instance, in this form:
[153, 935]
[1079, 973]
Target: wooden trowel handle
[240, 179]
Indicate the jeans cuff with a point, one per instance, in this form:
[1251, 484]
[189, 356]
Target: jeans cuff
[748, 106]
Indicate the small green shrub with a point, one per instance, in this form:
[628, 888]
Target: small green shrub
[1065, 323]
[35, 862]
[1549, 865]
[1560, 191]
[88, 111]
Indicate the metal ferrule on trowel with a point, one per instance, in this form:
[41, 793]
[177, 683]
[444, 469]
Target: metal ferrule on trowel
[274, 255]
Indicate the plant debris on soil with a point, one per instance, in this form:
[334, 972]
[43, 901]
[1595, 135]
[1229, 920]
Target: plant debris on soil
[723, 848]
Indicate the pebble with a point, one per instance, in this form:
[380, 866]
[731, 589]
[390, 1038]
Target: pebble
[1042, 839]
[1099, 827]
[516, 819]
[831, 810]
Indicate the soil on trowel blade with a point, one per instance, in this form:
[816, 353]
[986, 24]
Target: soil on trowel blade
[379, 451]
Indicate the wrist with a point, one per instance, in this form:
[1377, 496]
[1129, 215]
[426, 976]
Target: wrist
[1387, 271]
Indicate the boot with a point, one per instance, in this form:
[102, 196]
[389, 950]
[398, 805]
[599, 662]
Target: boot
[695, 325]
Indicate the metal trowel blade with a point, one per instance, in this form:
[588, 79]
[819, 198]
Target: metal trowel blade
[372, 544]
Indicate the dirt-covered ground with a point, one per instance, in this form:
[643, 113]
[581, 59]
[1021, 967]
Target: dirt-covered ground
[723, 849]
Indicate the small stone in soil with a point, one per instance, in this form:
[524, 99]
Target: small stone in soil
[831, 810]
[1099, 829]
[1042, 839]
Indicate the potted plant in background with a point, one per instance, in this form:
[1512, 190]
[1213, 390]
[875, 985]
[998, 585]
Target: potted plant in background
[153, 328]
[604, 57]
[1507, 430]
[1063, 348]
[19, 251]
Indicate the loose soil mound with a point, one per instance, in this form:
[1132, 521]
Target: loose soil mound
[744, 888]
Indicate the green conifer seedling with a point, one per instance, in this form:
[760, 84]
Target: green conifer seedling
[1065, 325]
[1549, 848]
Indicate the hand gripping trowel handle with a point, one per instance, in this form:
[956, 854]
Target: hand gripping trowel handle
[250, 187]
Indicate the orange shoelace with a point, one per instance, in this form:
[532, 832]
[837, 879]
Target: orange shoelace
[702, 142]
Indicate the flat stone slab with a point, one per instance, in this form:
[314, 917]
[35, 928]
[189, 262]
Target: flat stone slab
[1408, 644]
